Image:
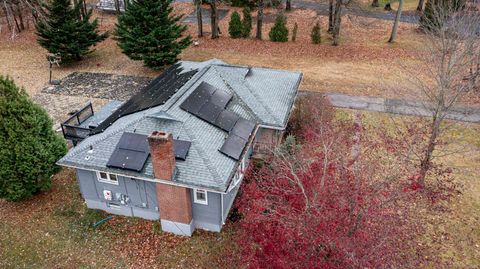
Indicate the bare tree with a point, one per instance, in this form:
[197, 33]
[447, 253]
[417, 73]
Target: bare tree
[337, 21]
[393, 36]
[260, 19]
[198, 9]
[421, 3]
[288, 5]
[330, 16]
[452, 49]
[214, 18]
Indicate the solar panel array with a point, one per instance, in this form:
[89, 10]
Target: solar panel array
[132, 151]
[208, 103]
[156, 93]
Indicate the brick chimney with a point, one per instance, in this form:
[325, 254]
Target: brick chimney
[174, 202]
[163, 155]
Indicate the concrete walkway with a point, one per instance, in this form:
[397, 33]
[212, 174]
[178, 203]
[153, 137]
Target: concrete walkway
[396, 106]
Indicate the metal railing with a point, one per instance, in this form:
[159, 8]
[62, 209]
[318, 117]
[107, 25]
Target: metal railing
[71, 129]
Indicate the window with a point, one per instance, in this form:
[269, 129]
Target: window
[107, 178]
[200, 196]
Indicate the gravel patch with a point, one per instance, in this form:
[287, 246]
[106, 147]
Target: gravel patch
[59, 107]
[99, 85]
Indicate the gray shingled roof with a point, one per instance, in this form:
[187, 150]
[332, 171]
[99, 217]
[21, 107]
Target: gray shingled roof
[264, 95]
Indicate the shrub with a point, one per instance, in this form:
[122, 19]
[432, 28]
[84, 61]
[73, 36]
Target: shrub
[316, 36]
[294, 32]
[149, 31]
[29, 146]
[438, 12]
[246, 23]
[235, 26]
[279, 31]
[66, 31]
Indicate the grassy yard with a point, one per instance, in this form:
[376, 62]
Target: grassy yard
[453, 227]
[54, 230]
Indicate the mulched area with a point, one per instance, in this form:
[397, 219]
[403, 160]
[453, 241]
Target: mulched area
[99, 85]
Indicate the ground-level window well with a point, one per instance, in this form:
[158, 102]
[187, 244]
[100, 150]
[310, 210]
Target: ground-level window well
[200, 196]
[107, 178]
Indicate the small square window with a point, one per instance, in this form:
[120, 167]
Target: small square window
[103, 176]
[107, 178]
[200, 197]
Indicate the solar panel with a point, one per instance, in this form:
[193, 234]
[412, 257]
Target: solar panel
[128, 159]
[133, 141]
[209, 112]
[233, 146]
[181, 148]
[198, 98]
[226, 120]
[221, 98]
[131, 152]
[156, 93]
[243, 128]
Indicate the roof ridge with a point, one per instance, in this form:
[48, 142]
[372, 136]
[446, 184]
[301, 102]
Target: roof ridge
[257, 98]
[202, 153]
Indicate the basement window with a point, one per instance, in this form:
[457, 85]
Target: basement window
[107, 178]
[200, 196]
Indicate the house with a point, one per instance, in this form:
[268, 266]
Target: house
[177, 150]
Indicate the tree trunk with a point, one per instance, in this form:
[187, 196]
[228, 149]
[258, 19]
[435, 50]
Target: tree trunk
[330, 16]
[214, 18]
[260, 19]
[375, 3]
[198, 8]
[20, 17]
[420, 5]
[393, 36]
[7, 15]
[288, 5]
[125, 4]
[426, 162]
[117, 6]
[337, 22]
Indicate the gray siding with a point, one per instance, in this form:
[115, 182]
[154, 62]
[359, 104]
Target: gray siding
[142, 198]
[208, 217]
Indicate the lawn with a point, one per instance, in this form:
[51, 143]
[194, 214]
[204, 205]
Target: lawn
[54, 230]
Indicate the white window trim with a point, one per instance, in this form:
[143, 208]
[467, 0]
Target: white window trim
[109, 181]
[197, 201]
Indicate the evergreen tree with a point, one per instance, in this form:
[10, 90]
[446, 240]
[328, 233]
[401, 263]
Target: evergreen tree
[294, 32]
[67, 31]
[235, 26]
[316, 35]
[149, 31]
[279, 31]
[246, 23]
[29, 146]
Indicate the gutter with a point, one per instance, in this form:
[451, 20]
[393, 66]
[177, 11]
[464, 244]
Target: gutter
[161, 181]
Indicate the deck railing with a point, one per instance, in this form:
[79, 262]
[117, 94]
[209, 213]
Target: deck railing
[71, 129]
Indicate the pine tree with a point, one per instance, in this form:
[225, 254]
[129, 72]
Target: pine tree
[67, 31]
[29, 146]
[246, 23]
[235, 25]
[316, 35]
[149, 31]
[279, 31]
[294, 32]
